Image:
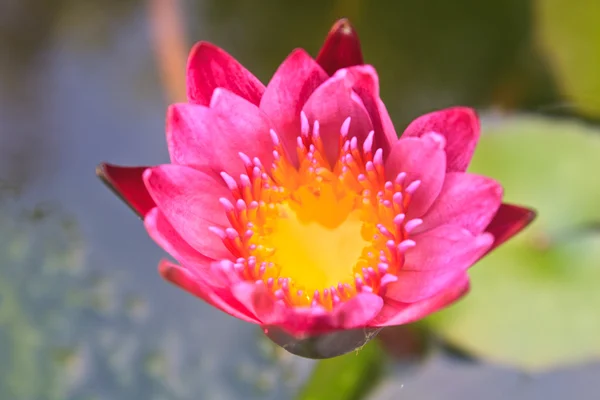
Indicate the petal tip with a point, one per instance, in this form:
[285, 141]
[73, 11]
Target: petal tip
[127, 184]
[341, 48]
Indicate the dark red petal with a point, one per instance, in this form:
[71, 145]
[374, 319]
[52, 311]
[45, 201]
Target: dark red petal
[341, 48]
[127, 183]
[508, 221]
[210, 67]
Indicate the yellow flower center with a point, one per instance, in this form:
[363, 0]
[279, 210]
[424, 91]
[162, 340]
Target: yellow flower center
[319, 233]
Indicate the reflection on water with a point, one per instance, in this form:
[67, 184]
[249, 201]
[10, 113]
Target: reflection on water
[83, 312]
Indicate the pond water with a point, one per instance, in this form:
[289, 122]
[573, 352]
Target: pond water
[83, 311]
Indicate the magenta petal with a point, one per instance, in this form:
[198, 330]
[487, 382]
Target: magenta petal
[466, 200]
[460, 127]
[356, 312]
[446, 247]
[422, 159]
[163, 233]
[341, 48]
[189, 199]
[188, 281]
[210, 67]
[395, 313]
[127, 183]
[287, 92]
[436, 262]
[331, 104]
[213, 137]
[365, 83]
[508, 221]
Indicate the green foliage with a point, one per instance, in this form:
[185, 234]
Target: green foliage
[534, 301]
[569, 33]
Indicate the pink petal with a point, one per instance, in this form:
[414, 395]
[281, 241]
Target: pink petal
[365, 83]
[341, 48]
[466, 200]
[446, 247]
[127, 183]
[210, 67]
[330, 104]
[436, 262]
[508, 221]
[460, 127]
[356, 312]
[421, 159]
[163, 233]
[213, 137]
[396, 313]
[188, 281]
[189, 199]
[287, 92]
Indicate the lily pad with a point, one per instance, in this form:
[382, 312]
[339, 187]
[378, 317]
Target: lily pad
[570, 37]
[535, 301]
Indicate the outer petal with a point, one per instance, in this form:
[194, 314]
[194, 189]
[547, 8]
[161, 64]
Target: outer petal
[127, 183]
[508, 221]
[287, 92]
[440, 258]
[189, 199]
[366, 85]
[331, 104]
[188, 281]
[213, 137]
[341, 48]
[163, 233]
[210, 67]
[466, 200]
[355, 313]
[461, 128]
[421, 159]
[396, 313]
[446, 247]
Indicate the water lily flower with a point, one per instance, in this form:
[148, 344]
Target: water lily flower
[295, 206]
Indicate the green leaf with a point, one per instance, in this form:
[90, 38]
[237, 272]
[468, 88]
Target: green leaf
[348, 377]
[569, 33]
[535, 301]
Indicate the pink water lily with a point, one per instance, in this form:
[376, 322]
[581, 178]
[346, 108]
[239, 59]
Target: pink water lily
[296, 206]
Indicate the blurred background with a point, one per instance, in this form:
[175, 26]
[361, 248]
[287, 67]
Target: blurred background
[84, 314]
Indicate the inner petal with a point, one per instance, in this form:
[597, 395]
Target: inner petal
[314, 256]
[317, 233]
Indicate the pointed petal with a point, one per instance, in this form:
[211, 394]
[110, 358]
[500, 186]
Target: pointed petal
[365, 83]
[330, 104]
[189, 199]
[421, 159]
[210, 67]
[127, 183]
[446, 247]
[435, 263]
[341, 48]
[186, 280]
[460, 127]
[466, 200]
[163, 233]
[213, 137]
[508, 221]
[395, 313]
[287, 92]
